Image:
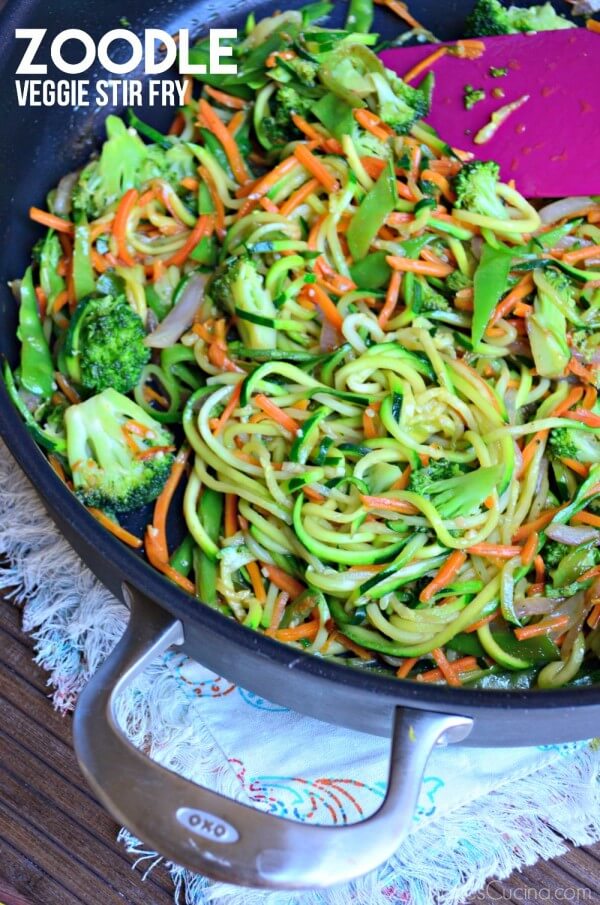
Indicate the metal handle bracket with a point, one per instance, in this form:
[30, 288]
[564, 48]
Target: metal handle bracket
[214, 835]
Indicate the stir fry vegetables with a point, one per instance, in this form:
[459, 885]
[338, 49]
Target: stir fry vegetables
[362, 368]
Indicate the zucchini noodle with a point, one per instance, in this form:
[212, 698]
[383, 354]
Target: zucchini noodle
[365, 373]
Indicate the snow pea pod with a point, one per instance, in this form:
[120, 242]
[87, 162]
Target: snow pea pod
[360, 15]
[84, 280]
[371, 215]
[490, 282]
[37, 370]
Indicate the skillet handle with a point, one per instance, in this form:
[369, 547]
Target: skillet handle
[216, 836]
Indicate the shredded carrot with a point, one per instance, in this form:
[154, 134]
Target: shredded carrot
[315, 294]
[584, 417]
[257, 582]
[163, 502]
[277, 414]
[313, 494]
[130, 539]
[589, 400]
[299, 197]
[188, 89]
[154, 552]
[573, 397]
[265, 184]
[402, 482]
[406, 667]
[593, 619]
[178, 125]
[57, 467]
[497, 551]
[591, 573]
[304, 156]
[283, 581]
[219, 129]
[306, 630]
[581, 254]
[361, 652]
[226, 100]
[236, 122]
[391, 299]
[216, 199]
[277, 614]
[50, 220]
[306, 128]
[578, 467]
[441, 182]
[228, 410]
[408, 265]
[425, 64]
[231, 515]
[448, 571]
[540, 569]
[387, 504]
[530, 450]
[188, 183]
[458, 667]
[524, 287]
[586, 518]
[202, 228]
[401, 10]
[580, 370]
[279, 55]
[119, 225]
[145, 454]
[372, 123]
[529, 549]
[445, 668]
[545, 627]
[480, 623]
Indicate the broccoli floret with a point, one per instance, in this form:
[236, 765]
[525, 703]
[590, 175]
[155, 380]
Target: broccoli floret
[458, 280]
[473, 96]
[119, 456]
[453, 492]
[426, 298]
[554, 552]
[399, 105]
[475, 187]
[570, 443]
[104, 346]
[238, 287]
[490, 17]
[422, 479]
[279, 127]
[305, 70]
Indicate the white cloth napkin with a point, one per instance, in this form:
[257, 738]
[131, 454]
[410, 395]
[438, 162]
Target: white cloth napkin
[481, 812]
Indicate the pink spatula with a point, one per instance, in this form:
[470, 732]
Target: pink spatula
[551, 144]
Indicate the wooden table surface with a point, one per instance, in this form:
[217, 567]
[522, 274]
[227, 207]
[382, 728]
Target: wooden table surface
[57, 845]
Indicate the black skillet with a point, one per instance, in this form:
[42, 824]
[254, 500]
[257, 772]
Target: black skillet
[190, 825]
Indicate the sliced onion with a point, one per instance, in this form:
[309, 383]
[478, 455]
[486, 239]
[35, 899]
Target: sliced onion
[61, 203]
[535, 606]
[476, 246]
[572, 537]
[181, 317]
[586, 7]
[330, 338]
[558, 210]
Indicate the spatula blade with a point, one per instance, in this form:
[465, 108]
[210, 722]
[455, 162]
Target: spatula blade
[551, 145]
